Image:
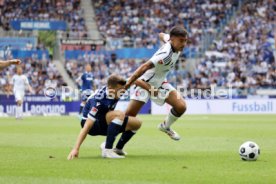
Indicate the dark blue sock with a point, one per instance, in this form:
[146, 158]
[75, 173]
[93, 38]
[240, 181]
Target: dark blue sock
[126, 136]
[112, 131]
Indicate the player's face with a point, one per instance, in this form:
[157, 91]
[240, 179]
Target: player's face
[179, 42]
[19, 71]
[88, 68]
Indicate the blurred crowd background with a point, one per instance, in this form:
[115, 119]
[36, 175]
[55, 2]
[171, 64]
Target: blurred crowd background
[232, 41]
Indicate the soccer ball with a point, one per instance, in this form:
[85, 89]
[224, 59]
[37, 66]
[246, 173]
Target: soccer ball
[249, 151]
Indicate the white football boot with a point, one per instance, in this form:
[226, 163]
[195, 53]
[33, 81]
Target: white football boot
[109, 153]
[116, 150]
[170, 132]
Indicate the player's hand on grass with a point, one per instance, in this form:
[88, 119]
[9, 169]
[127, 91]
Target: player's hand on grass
[73, 154]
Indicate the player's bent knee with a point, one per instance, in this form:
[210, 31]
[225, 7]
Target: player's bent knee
[181, 108]
[115, 114]
[120, 115]
[138, 124]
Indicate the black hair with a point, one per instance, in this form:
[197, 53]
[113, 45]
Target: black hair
[178, 31]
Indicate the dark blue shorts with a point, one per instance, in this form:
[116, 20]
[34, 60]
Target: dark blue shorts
[100, 126]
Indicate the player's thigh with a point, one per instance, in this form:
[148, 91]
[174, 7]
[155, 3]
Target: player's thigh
[96, 128]
[116, 114]
[176, 101]
[134, 107]
[133, 123]
[19, 96]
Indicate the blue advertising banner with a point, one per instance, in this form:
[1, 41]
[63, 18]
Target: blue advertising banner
[16, 42]
[41, 105]
[39, 54]
[38, 25]
[125, 53]
[38, 105]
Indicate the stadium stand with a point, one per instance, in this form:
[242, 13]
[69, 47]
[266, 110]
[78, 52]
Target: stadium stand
[243, 58]
[233, 60]
[41, 74]
[101, 70]
[139, 27]
[68, 11]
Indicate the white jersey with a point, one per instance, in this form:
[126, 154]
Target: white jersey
[19, 83]
[164, 60]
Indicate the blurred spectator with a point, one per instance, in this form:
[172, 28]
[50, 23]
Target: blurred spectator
[66, 10]
[244, 58]
[41, 75]
[138, 22]
[101, 70]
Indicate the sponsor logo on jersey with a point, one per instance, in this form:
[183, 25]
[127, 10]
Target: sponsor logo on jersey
[93, 111]
[137, 93]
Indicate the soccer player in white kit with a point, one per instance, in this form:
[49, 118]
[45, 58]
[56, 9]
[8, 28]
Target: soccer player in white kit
[20, 82]
[154, 72]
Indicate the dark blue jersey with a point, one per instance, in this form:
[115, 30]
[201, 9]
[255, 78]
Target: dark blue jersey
[87, 81]
[98, 105]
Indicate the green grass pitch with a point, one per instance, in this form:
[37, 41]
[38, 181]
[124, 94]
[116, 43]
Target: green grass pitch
[34, 150]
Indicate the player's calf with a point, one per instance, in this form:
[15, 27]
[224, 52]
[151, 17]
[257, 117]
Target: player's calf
[178, 109]
[19, 110]
[119, 122]
[116, 121]
[132, 126]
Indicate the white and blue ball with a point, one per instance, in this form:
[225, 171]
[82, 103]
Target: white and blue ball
[249, 151]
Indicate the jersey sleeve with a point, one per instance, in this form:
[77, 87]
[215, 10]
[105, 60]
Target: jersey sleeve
[93, 109]
[26, 80]
[82, 77]
[160, 55]
[166, 38]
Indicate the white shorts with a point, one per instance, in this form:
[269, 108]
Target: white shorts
[142, 95]
[19, 95]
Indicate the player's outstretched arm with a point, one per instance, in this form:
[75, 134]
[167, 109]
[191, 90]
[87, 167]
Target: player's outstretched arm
[83, 133]
[31, 89]
[139, 72]
[164, 37]
[78, 80]
[4, 64]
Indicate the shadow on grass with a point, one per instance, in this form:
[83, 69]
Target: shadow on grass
[142, 157]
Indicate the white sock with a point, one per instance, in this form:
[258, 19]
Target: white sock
[170, 119]
[17, 112]
[21, 110]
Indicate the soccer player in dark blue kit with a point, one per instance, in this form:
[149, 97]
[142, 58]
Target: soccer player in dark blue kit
[87, 85]
[100, 118]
